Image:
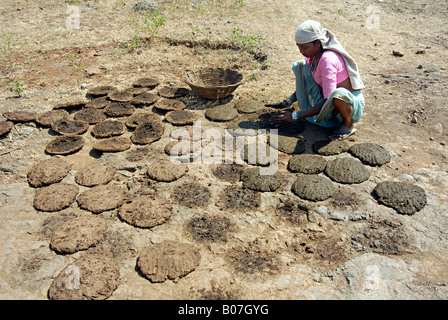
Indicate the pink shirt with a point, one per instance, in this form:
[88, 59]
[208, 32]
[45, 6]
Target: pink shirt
[330, 71]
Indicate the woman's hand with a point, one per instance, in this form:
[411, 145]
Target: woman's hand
[285, 117]
[278, 105]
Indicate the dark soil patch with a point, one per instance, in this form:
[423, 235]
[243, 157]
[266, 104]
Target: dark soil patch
[209, 228]
[191, 195]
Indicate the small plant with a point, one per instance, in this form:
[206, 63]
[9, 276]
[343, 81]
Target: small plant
[9, 45]
[76, 62]
[134, 43]
[152, 23]
[239, 3]
[248, 42]
[340, 11]
[17, 87]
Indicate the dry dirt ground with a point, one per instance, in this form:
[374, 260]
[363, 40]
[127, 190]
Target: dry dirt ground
[346, 247]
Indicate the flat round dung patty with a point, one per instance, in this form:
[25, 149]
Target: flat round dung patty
[48, 171]
[101, 90]
[252, 179]
[91, 277]
[146, 211]
[313, 187]
[98, 103]
[170, 105]
[71, 105]
[148, 132]
[20, 116]
[180, 117]
[78, 234]
[135, 91]
[5, 127]
[46, 119]
[55, 197]
[347, 170]
[221, 113]
[290, 145]
[168, 260]
[173, 92]
[145, 98]
[108, 128]
[70, 127]
[98, 172]
[370, 153]
[90, 115]
[101, 198]
[405, 198]
[330, 148]
[146, 82]
[119, 109]
[113, 144]
[120, 96]
[139, 118]
[253, 154]
[65, 144]
[248, 106]
[166, 171]
[307, 163]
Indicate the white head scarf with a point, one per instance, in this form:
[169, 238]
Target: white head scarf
[311, 30]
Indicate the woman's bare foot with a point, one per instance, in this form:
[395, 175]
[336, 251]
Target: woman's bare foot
[343, 133]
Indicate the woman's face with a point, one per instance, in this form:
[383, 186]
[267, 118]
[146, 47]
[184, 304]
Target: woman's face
[309, 49]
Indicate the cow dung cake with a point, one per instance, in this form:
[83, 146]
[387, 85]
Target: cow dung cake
[181, 117]
[119, 109]
[289, 145]
[404, 197]
[146, 211]
[108, 128]
[370, 153]
[90, 115]
[5, 127]
[95, 173]
[330, 148]
[48, 171]
[144, 99]
[166, 171]
[47, 118]
[221, 113]
[101, 90]
[146, 82]
[65, 145]
[139, 118]
[120, 96]
[55, 197]
[173, 92]
[70, 127]
[168, 260]
[313, 187]
[91, 277]
[101, 198]
[113, 144]
[78, 234]
[307, 163]
[148, 132]
[347, 170]
[98, 103]
[170, 105]
[253, 179]
[20, 116]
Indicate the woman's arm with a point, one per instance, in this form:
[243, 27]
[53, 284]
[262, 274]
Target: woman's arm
[286, 103]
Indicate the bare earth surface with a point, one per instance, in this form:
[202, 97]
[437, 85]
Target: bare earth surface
[272, 245]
